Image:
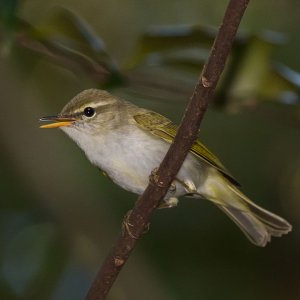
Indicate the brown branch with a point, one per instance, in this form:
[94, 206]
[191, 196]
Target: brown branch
[139, 217]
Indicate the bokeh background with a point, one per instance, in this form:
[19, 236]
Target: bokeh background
[59, 216]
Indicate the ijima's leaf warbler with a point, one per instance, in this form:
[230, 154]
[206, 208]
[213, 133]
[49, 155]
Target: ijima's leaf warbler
[127, 142]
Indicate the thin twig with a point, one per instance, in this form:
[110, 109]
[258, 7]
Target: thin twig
[138, 219]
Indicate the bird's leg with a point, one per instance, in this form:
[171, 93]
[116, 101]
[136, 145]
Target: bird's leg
[188, 185]
[168, 203]
[172, 201]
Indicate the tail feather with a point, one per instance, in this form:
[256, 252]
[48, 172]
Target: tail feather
[274, 222]
[258, 224]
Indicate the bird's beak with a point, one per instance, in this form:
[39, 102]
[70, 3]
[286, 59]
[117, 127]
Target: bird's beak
[58, 121]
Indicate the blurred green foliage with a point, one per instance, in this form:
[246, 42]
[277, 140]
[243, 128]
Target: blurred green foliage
[59, 216]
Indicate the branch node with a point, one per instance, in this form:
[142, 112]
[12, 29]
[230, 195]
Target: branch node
[118, 261]
[205, 82]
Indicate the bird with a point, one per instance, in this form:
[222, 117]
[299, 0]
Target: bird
[127, 142]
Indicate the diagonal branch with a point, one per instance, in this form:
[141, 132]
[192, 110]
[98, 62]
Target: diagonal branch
[138, 219]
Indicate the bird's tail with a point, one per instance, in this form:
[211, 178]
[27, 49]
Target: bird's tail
[256, 223]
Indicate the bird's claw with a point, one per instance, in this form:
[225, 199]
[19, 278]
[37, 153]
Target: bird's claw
[126, 226]
[154, 178]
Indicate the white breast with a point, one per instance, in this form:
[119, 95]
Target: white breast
[128, 155]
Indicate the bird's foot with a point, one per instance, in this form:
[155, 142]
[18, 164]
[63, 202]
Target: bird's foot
[168, 203]
[126, 226]
[154, 178]
[188, 185]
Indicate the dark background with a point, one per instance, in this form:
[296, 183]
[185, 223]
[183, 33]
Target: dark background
[59, 216]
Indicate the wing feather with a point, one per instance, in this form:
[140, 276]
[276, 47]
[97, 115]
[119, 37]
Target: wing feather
[162, 127]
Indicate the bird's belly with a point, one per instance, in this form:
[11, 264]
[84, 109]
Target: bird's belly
[130, 161]
[129, 158]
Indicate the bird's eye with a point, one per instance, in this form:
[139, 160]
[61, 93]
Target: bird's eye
[89, 112]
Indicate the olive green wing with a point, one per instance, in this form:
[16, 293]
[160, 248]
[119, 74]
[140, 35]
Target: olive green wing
[162, 127]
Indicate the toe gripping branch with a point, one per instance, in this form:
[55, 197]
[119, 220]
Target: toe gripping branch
[154, 179]
[127, 226]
